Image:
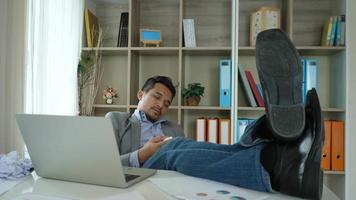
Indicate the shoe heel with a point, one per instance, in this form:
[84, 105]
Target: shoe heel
[313, 182]
[287, 121]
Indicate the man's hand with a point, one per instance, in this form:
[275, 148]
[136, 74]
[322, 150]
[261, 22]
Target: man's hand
[150, 148]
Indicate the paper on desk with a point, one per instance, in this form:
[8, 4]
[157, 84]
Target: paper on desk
[125, 196]
[189, 188]
[12, 167]
[6, 185]
[30, 196]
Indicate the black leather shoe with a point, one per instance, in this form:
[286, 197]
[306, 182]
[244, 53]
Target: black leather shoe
[297, 169]
[280, 71]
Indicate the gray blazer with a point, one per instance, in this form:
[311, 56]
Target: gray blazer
[128, 133]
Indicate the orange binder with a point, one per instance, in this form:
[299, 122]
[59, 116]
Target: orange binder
[213, 130]
[337, 145]
[326, 153]
[224, 131]
[200, 129]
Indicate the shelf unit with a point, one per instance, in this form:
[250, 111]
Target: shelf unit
[304, 27]
[126, 68]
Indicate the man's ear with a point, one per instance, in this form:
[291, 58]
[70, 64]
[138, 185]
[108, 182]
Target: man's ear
[140, 95]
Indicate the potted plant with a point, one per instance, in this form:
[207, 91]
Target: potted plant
[193, 93]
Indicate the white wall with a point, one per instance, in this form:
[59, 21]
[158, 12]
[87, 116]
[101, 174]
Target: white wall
[3, 31]
[351, 100]
[12, 51]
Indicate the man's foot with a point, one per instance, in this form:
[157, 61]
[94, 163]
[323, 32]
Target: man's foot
[280, 72]
[296, 168]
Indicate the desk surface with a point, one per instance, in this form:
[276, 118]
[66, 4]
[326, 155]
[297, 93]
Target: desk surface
[146, 189]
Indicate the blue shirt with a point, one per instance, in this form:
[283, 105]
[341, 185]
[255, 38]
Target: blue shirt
[148, 131]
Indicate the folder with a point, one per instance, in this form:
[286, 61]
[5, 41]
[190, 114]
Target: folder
[337, 145]
[225, 83]
[200, 128]
[311, 75]
[326, 152]
[254, 88]
[224, 131]
[212, 130]
[246, 87]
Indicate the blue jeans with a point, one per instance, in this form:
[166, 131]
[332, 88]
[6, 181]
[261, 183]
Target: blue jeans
[237, 164]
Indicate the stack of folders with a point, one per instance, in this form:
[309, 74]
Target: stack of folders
[122, 40]
[214, 130]
[189, 33]
[333, 150]
[310, 75]
[252, 88]
[334, 31]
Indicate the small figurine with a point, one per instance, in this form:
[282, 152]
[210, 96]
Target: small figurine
[109, 94]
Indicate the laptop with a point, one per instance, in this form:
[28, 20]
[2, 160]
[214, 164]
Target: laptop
[77, 149]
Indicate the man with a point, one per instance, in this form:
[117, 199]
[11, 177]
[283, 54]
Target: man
[141, 134]
[281, 151]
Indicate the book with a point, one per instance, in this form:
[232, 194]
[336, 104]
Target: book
[122, 40]
[246, 86]
[333, 31]
[342, 29]
[91, 28]
[189, 33]
[254, 88]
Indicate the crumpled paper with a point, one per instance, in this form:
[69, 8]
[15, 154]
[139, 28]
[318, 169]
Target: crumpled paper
[12, 167]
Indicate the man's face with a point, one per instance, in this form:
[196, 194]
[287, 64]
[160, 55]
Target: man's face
[155, 102]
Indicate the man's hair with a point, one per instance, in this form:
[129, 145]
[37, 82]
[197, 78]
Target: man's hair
[150, 83]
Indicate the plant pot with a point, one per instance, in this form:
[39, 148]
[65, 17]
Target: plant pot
[192, 101]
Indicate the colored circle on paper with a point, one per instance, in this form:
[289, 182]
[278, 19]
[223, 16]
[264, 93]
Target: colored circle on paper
[222, 192]
[237, 198]
[202, 194]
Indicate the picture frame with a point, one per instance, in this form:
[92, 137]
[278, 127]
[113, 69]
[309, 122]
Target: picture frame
[150, 37]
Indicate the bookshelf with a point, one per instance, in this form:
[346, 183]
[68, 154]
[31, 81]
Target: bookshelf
[125, 68]
[304, 27]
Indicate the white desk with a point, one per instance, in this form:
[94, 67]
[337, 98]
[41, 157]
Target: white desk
[35, 185]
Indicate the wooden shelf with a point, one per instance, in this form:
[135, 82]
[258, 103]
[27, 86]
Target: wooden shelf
[155, 50]
[335, 172]
[109, 106]
[303, 50]
[262, 109]
[109, 50]
[204, 108]
[207, 51]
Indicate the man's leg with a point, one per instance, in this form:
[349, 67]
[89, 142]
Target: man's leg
[238, 166]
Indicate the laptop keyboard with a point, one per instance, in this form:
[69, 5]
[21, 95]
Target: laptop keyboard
[129, 177]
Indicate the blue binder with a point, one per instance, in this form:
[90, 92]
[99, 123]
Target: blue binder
[311, 75]
[225, 83]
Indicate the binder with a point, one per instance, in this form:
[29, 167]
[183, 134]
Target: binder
[122, 40]
[224, 131]
[311, 75]
[225, 83]
[212, 130]
[326, 152]
[254, 88]
[337, 146]
[200, 129]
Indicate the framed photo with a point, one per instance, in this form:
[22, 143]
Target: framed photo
[149, 36]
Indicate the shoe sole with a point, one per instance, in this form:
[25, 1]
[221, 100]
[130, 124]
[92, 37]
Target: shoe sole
[312, 182]
[280, 72]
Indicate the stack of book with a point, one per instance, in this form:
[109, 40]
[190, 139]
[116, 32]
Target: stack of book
[122, 40]
[334, 31]
[252, 88]
[214, 130]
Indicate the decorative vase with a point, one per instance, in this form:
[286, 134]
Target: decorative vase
[192, 101]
